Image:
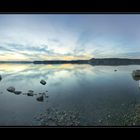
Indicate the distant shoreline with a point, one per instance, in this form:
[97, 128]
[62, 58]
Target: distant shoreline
[93, 61]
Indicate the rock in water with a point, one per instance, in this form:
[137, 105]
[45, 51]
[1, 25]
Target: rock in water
[43, 82]
[18, 92]
[40, 99]
[30, 93]
[136, 73]
[11, 89]
[0, 77]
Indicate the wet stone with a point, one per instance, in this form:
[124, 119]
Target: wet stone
[100, 121]
[30, 93]
[17, 92]
[11, 89]
[43, 82]
[108, 116]
[40, 98]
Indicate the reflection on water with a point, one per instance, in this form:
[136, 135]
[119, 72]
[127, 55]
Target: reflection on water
[102, 95]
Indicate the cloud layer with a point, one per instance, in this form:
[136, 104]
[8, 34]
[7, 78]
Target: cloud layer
[51, 37]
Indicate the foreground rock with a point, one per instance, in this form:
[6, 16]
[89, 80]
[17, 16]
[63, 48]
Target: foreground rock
[30, 93]
[40, 98]
[43, 82]
[136, 73]
[11, 89]
[17, 92]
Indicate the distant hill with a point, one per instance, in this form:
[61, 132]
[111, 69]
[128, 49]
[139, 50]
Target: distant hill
[114, 61]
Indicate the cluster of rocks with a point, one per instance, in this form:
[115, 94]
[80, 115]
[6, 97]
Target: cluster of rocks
[54, 117]
[40, 96]
[13, 90]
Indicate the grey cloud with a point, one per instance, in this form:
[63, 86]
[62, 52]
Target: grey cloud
[21, 47]
[54, 40]
[33, 52]
[4, 49]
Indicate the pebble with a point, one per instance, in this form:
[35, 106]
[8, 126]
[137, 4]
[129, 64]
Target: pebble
[108, 116]
[100, 121]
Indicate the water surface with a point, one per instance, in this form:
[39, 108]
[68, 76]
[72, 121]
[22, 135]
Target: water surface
[101, 95]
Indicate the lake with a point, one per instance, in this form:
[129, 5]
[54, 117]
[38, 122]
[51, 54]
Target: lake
[98, 95]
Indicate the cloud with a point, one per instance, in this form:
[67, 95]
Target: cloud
[39, 37]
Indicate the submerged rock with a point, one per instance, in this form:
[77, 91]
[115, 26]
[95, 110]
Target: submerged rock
[30, 93]
[11, 89]
[17, 92]
[47, 96]
[40, 98]
[43, 82]
[115, 70]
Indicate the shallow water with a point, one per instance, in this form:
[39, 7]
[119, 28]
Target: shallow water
[101, 95]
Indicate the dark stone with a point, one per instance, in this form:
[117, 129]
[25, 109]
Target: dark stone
[40, 99]
[17, 92]
[43, 82]
[30, 93]
[11, 89]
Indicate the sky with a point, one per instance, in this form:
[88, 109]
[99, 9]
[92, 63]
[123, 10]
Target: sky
[29, 37]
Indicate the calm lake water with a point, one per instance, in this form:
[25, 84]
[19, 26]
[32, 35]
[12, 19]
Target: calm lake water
[99, 94]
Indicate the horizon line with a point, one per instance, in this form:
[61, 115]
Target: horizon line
[64, 60]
